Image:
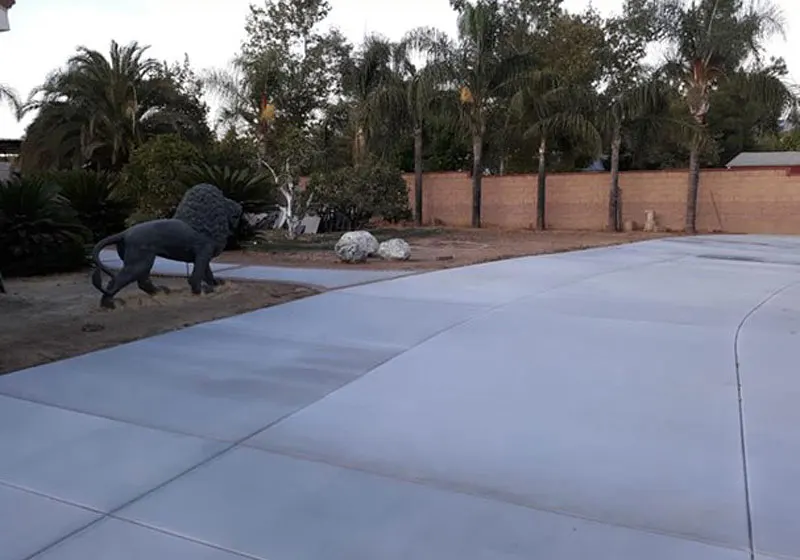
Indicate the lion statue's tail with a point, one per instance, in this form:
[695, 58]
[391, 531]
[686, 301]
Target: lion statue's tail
[99, 267]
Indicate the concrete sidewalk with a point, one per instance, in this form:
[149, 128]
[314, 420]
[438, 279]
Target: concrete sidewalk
[317, 277]
[637, 401]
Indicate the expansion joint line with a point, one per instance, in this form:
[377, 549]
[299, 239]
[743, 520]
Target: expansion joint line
[740, 403]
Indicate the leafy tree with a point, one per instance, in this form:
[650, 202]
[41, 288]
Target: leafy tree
[740, 122]
[154, 179]
[350, 197]
[308, 59]
[98, 109]
[711, 40]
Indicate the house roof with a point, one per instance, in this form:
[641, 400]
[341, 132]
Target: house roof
[765, 159]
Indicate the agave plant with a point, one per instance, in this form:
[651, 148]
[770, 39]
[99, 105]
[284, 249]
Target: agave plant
[93, 197]
[39, 231]
[249, 187]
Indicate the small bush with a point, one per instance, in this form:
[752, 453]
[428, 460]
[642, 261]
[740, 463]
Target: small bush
[40, 233]
[153, 179]
[350, 197]
[92, 195]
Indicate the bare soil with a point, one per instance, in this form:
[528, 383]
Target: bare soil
[431, 248]
[49, 318]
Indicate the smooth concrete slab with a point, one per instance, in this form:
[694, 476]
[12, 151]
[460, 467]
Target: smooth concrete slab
[89, 461]
[112, 539]
[564, 406]
[326, 278]
[275, 507]
[685, 291]
[769, 353]
[29, 523]
[220, 384]
[602, 419]
[350, 320]
[501, 282]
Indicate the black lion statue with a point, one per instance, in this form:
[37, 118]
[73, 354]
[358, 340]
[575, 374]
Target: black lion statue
[197, 233]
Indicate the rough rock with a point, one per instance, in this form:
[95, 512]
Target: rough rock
[356, 246]
[394, 250]
[351, 253]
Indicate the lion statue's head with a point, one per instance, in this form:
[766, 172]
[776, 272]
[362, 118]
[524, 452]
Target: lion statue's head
[210, 213]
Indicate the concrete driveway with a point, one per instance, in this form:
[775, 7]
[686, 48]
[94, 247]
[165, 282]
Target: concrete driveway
[634, 402]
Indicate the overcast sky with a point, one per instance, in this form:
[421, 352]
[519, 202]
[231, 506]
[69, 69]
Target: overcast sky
[44, 33]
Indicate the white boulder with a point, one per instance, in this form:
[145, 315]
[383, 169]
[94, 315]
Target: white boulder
[356, 246]
[394, 250]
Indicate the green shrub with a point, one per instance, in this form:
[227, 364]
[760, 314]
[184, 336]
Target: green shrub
[153, 179]
[40, 233]
[234, 151]
[91, 194]
[351, 197]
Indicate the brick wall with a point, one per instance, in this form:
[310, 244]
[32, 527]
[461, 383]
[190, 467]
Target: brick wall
[763, 200]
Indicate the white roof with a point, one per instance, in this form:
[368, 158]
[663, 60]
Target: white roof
[765, 159]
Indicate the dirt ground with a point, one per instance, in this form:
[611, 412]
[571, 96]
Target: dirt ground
[49, 318]
[431, 248]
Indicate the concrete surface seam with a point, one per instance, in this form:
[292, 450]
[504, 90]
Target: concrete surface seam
[742, 430]
[112, 511]
[481, 313]
[109, 516]
[112, 419]
[461, 489]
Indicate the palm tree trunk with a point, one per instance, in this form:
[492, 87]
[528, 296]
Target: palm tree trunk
[541, 187]
[694, 185]
[418, 175]
[614, 213]
[359, 144]
[477, 176]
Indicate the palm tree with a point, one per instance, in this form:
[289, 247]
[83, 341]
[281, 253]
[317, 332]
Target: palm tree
[711, 40]
[408, 95]
[247, 92]
[8, 95]
[483, 70]
[366, 79]
[552, 109]
[634, 104]
[105, 105]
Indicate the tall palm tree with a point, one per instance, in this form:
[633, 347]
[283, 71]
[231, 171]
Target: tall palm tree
[483, 70]
[711, 40]
[366, 79]
[641, 105]
[408, 94]
[108, 104]
[247, 91]
[549, 109]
